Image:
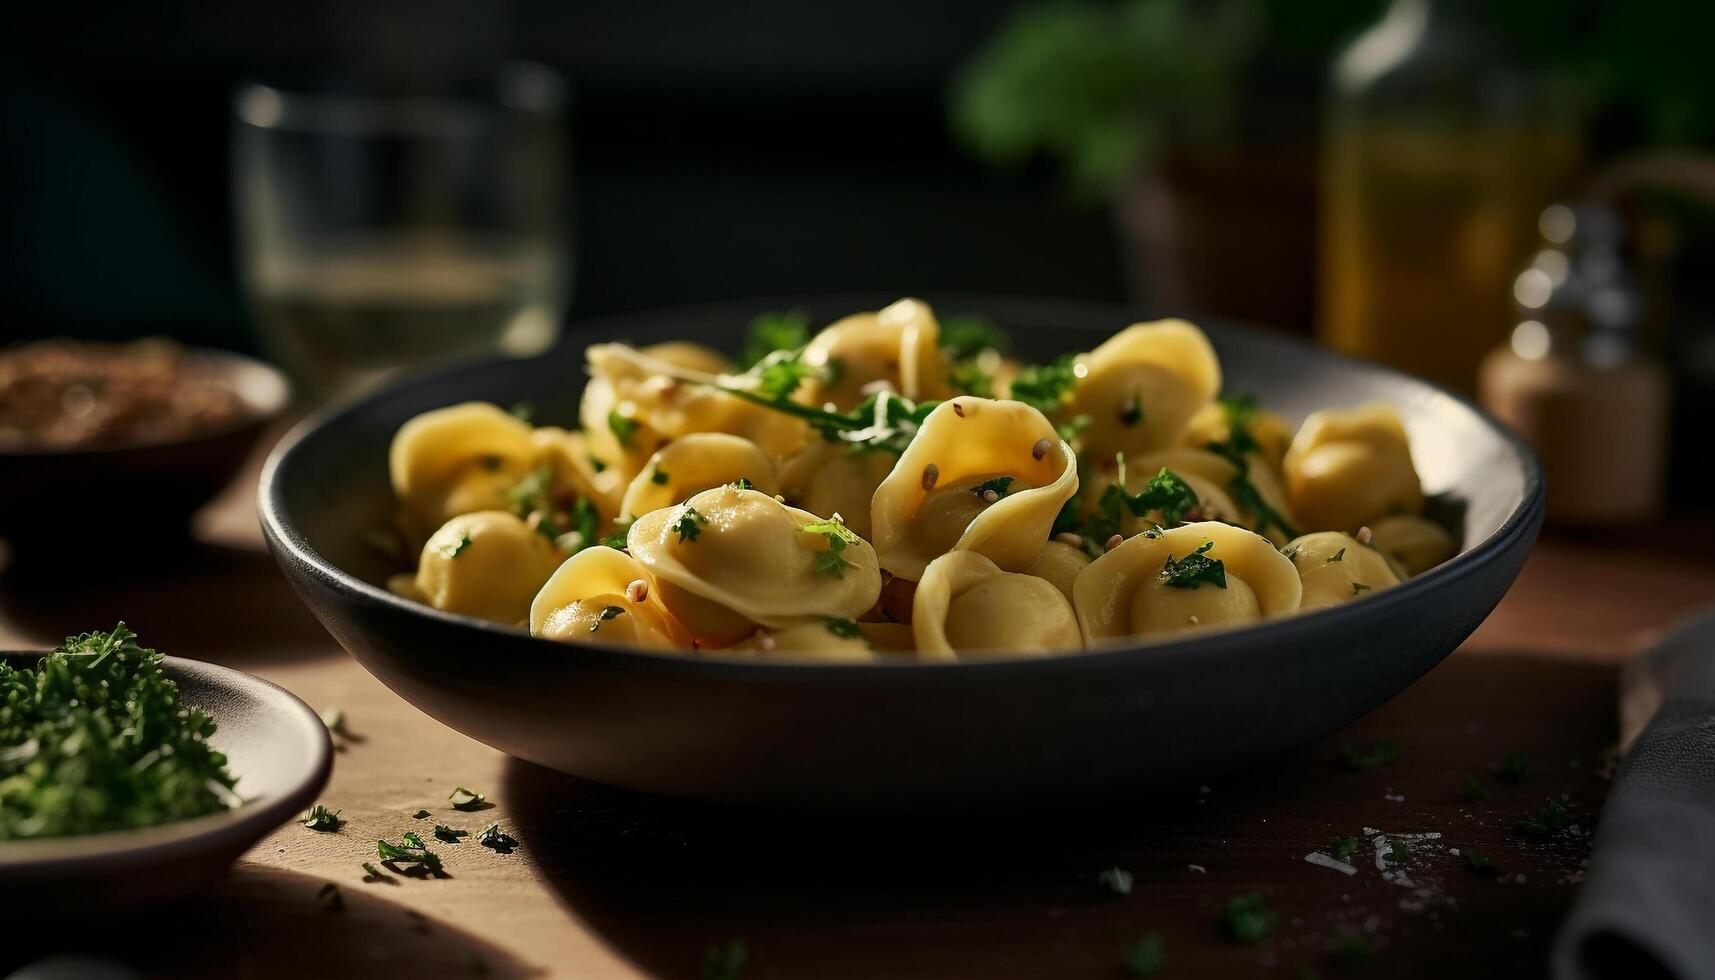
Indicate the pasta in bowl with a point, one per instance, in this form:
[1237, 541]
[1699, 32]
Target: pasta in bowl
[1109, 496]
[854, 700]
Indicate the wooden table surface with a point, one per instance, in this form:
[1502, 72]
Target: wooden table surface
[611, 884]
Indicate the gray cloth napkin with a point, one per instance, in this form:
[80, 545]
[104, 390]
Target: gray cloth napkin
[1647, 908]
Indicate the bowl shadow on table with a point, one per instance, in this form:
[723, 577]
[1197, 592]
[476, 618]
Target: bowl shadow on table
[1016, 893]
[259, 922]
[188, 598]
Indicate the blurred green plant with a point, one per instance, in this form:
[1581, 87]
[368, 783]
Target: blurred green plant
[1108, 89]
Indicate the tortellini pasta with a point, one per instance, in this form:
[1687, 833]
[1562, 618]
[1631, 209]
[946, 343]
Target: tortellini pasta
[693, 463]
[1414, 544]
[728, 560]
[1203, 575]
[981, 475]
[487, 564]
[453, 461]
[1141, 387]
[1334, 568]
[966, 603]
[899, 347]
[601, 595]
[837, 504]
[1350, 467]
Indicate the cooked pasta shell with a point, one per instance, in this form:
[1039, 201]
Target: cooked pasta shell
[1414, 544]
[967, 605]
[600, 595]
[1142, 386]
[575, 472]
[807, 643]
[899, 346]
[456, 460]
[1335, 568]
[1059, 564]
[932, 501]
[1203, 469]
[694, 357]
[1209, 478]
[1350, 467]
[728, 560]
[829, 478]
[488, 564]
[1127, 592]
[694, 463]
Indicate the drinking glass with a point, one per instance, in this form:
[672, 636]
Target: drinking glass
[382, 231]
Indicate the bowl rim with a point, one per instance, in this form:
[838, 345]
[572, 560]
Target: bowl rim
[238, 828]
[259, 409]
[1522, 523]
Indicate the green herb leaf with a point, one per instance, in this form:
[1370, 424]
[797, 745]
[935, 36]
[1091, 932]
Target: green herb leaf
[966, 334]
[1144, 958]
[831, 562]
[1477, 863]
[846, 628]
[616, 540]
[1248, 919]
[1341, 850]
[1046, 387]
[723, 961]
[411, 852]
[1168, 493]
[370, 873]
[464, 799]
[449, 834]
[1546, 822]
[998, 485]
[778, 376]
[607, 613]
[624, 429]
[494, 838]
[322, 820]
[1194, 569]
[689, 525]
[971, 376]
[771, 332]
[742, 484]
[1359, 759]
[1073, 427]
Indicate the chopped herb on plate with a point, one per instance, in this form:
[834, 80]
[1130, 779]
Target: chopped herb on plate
[464, 799]
[323, 820]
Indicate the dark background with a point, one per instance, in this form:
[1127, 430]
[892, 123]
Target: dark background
[721, 151]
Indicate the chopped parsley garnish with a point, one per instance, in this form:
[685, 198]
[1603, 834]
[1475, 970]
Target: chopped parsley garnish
[1341, 850]
[1046, 387]
[456, 548]
[967, 334]
[328, 897]
[770, 332]
[998, 485]
[742, 484]
[464, 799]
[1132, 412]
[1396, 849]
[616, 540]
[1236, 449]
[1145, 958]
[1514, 769]
[844, 628]
[777, 376]
[1195, 569]
[1478, 863]
[494, 838]
[371, 873]
[659, 477]
[624, 429]
[1073, 427]
[1248, 919]
[723, 961]
[412, 852]
[1337, 556]
[689, 525]
[971, 376]
[585, 520]
[420, 815]
[1359, 588]
[1357, 759]
[1168, 493]
[607, 613]
[831, 562]
[449, 834]
[323, 820]
[94, 737]
[1546, 822]
[883, 421]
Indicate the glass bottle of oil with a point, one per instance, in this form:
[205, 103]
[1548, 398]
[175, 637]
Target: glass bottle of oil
[1441, 148]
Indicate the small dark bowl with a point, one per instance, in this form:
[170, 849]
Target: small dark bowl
[1094, 725]
[277, 747]
[50, 496]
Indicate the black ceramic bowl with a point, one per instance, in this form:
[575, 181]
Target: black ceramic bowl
[49, 496]
[1076, 728]
[276, 746]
